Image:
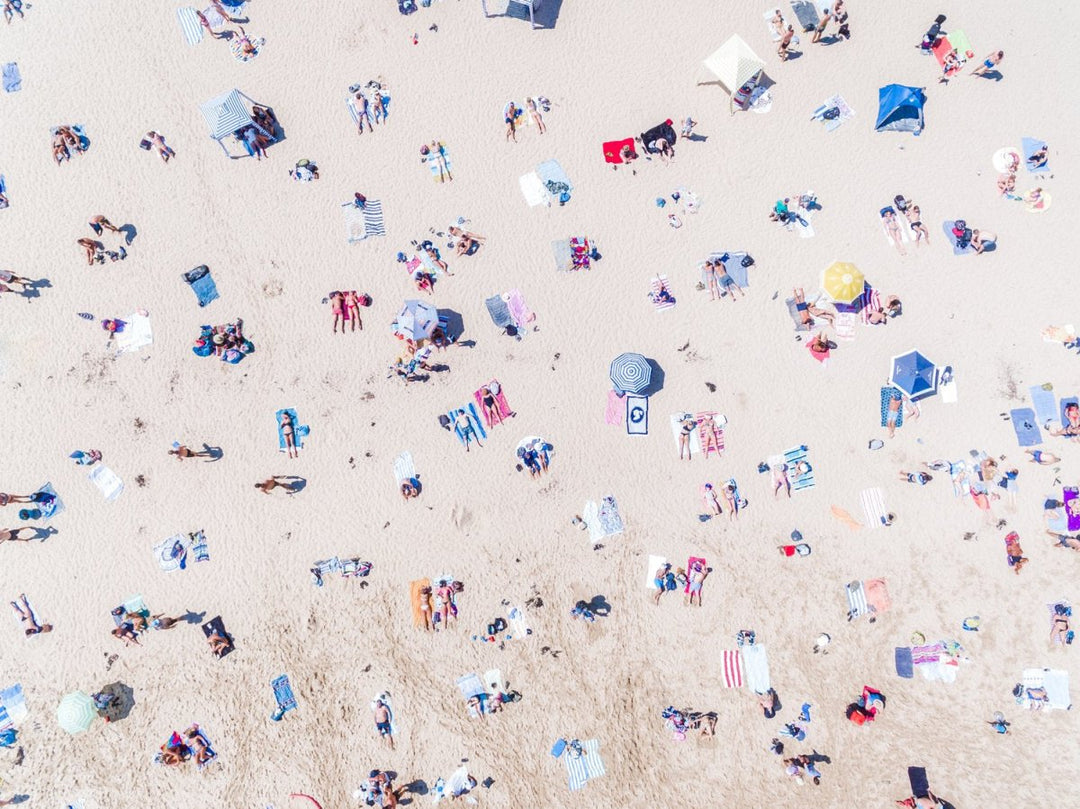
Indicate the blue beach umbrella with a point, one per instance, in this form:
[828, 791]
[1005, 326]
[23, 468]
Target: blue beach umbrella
[417, 320]
[914, 374]
[630, 373]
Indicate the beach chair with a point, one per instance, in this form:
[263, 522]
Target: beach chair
[283, 695]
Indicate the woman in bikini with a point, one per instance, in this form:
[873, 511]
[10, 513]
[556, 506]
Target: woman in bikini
[433, 254]
[892, 228]
[731, 502]
[710, 279]
[352, 310]
[711, 436]
[534, 113]
[286, 425]
[914, 216]
[780, 480]
[1059, 627]
[1042, 457]
[198, 745]
[687, 425]
[26, 615]
[466, 240]
[425, 608]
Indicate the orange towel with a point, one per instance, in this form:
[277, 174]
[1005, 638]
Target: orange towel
[418, 599]
[877, 595]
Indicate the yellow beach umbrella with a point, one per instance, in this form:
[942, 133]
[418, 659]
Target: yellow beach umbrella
[843, 282]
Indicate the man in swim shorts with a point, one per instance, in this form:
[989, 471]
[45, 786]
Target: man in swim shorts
[382, 722]
[698, 574]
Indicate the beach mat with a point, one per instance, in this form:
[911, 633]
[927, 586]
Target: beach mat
[1029, 146]
[190, 26]
[107, 482]
[637, 415]
[806, 480]
[806, 14]
[202, 284]
[404, 469]
[594, 765]
[416, 600]
[732, 668]
[832, 124]
[920, 784]
[439, 174]
[905, 667]
[756, 668]
[616, 408]
[217, 625]
[136, 334]
[474, 418]
[1025, 426]
[655, 563]
[873, 503]
[888, 393]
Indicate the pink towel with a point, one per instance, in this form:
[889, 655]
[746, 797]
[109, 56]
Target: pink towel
[877, 595]
[616, 408]
[519, 310]
[500, 405]
[702, 434]
[733, 669]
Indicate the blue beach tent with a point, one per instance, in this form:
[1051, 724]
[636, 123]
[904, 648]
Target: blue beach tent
[900, 109]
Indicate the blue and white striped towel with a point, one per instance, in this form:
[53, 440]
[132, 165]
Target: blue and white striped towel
[190, 25]
[373, 219]
[576, 770]
[856, 599]
[804, 481]
[593, 763]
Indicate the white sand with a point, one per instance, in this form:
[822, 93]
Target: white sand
[276, 248]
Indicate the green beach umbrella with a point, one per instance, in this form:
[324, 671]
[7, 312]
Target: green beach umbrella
[76, 712]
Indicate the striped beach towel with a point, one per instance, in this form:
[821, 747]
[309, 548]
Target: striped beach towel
[594, 765]
[658, 283]
[732, 668]
[576, 771]
[856, 599]
[360, 223]
[873, 503]
[190, 25]
[799, 479]
[870, 302]
[929, 653]
[198, 547]
[373, 218]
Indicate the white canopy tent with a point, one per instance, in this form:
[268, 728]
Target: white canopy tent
[733, 64]
[227, 113]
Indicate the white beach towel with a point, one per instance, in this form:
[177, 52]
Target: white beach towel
[494, 680]
[403, 467]
[873, 503]
[1056, 683]
[947, 391]
[655, 563]
[519, 626]
[107, 481]
[534, 190]
[844, 325]
[190, 25]
[163, 552]
[136, 334]
[756, 668]
[676, 431]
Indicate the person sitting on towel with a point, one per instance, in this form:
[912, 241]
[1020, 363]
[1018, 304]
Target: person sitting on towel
[218, 644]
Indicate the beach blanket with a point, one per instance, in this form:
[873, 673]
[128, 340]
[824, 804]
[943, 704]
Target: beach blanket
[473, 420]
[689, 567]
[947, 226]
[945, 45]
[732, 668]
[873, 503]
[300, 431]
[1072, 513]
[189, 24]
[107, 482]
[856, 598]
[1065, 402]
[1030, 146]
[283, 696]
[416, 601]
[171, 553]
[904, 663]
[519, 310]
[216, 626]
[637, 415]
[756, 668]
[198, 546]
[499, 311]
[837, 102]
[202, 284]
[50, 507]
[888, 393]
[438, 172]
[655, 286]
[616, 407]
[718, 423]
[404, 469]
[501, 406]
[136, 334]
[844, 325]
[927, 653]
[878, 600]
[1026, 426]
[920, 784]
[553, 177]
[676, 431]
[800, 480]
[12, 78]
[13, 706]
[806, 14]
[613, 150]
[654, 564]
[1056, 683]
[533, 189]
[362, 223]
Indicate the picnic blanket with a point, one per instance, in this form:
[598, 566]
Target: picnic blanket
[756, 668]
[12, 78]
[947, 226]
[1026, 426]
[107, 482]
[637, 414]
[732, 668]
[202, 284]
[136, 334]
[873, 503]
[837, 102]
[1030, 146]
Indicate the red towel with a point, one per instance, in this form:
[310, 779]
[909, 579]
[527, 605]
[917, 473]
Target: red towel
[733, 677]
[613, 147]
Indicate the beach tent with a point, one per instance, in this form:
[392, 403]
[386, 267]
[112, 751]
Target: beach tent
[900, 109]
[734, 64]
[228, 113]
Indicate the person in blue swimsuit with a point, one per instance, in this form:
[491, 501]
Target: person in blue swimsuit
[989, 63]
[1042, 457]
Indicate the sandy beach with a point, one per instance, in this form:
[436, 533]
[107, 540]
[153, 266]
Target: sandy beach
[277, 247]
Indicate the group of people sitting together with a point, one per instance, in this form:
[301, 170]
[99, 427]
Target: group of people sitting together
[534, 457]
[978, 240]
[66, 139]
[444, 594]
[193, 745]
[255, 139]
[226, 342]
[1034, 199]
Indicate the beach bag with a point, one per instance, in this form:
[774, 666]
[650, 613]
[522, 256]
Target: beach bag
[747, 261]
[831, 113]
[406, 7]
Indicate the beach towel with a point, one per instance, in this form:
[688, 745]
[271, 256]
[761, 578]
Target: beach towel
[300, 431]
[198, 546]
[769, 27]
[654, 564]
[472, 418]
[718, 423]
[518, 624]
[877, 596]
[355, 223]
[799, 480]
[416, 600]
[947, 391]
[471, 686]
[904, 663]
[202, 284]
[189, 24]
[837, 102]
[438, 172]
[888, 393]
[608, 517]
[1068, 495]
[50, 507]
[533, 189]
[856, 598]
[1056, 683]
[613, 150]
[637, 415]
[795, 316]
[374, 225]
[658, 283]
[501, 406]
[1029, 147]
[171, 553]
[920, 784]
[1065, 402]
[873, 503]
[283, 696]
[689, 567]
[211, 753]
[13, 705]
[756, 668]
[12, 78]
[1026, 426]
[904, 227]
[107, 482]
[403, 468]
[927, 654]
[947, 226]
[676, 431]
[217, 626]
[576, 771]
[734, 266]
[943, 46]
[806, 14]
[499, 311]
[572, 254]
[519, 310]
[868, 303]
[136, 334]
[236, 45]
[613, 413]
[844, 325]
[732, 668]
[594, 765]
[553, 177]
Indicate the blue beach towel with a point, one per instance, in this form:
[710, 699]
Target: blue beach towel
[198, 547]
[920, 784]
[1065, 402]
[474, 421]
[736, 270]
[1045, 404]
[1029, 146]
[956, 248]
[637, 415]
[300, 431]
[905, 666]
[551, 171]
[12, 78]
[889, 393]
[202, 284]
[1026, 426]
[806, 479]
[283, 695]
[51, 508]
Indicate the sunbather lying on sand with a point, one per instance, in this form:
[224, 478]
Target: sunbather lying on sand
[1014, 554]
[808, 311]
[26, 615]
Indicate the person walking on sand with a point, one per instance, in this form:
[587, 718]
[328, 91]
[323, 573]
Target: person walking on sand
[382, 722]
[698, 574]
[12, 534]
[785, 42]
[659, 581]
[272, 483]
[989, 63]
[10, 278]
[821, 26]
[99, 224]
[181, 452]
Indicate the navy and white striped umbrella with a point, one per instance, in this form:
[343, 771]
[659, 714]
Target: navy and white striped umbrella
[630, 373]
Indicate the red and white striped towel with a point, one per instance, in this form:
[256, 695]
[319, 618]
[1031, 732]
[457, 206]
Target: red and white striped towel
[732, 669]
[871, 302]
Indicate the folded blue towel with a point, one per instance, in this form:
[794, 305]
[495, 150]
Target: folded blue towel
[12, 78]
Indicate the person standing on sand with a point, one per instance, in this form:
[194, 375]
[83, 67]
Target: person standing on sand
[820, 29]
[181, 452]
[989, 63]
[272, 483]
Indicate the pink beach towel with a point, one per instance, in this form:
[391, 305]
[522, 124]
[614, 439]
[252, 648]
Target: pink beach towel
[500, 404]
[1071, 498]
[519, 310]
[732, 663]
[877, 595]
[616, 409]
[717, 429]
[690, 568]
